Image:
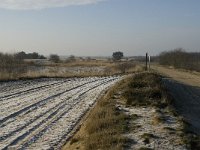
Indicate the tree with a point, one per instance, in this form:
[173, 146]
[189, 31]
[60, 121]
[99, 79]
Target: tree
[42, 57]
[20, 55]
[72, 58]
[117, 55]
[33, 55]
[54, 58]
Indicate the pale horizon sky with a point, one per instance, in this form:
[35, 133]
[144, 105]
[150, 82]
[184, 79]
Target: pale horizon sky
[99, 27]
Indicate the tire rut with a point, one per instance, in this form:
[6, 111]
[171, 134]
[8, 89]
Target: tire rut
[46, 115]
[41, 132]
[37, 104]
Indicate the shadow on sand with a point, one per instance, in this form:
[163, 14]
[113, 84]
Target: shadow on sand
[186, 102]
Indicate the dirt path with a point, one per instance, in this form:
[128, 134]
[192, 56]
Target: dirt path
[192, 79]
[185, 88]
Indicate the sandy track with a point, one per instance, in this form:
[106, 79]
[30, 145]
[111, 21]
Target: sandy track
[187, 102]
[185, 88]
[39, 114]
[189, 78]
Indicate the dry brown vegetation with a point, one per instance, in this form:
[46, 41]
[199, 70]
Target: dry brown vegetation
[12, 68]
[146, 90]
[109, 68]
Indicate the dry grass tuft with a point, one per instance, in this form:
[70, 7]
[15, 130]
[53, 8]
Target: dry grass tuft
[157, 119]
[74, 140]
[147, 137]
[106, 125]
[145, 148]
[145, 89]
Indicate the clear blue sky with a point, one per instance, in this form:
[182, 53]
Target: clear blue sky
[99, 28]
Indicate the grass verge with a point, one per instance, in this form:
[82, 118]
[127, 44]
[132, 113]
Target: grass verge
[65, 70]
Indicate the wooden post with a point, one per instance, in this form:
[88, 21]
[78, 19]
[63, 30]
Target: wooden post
[149, 62]
[146, 61]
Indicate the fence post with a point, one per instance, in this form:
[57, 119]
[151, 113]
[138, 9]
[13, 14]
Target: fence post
[149, 62]
[146, 61]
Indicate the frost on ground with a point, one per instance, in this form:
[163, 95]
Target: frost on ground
[152, 134]
[151, 128]
[40, 113]
[67, 70]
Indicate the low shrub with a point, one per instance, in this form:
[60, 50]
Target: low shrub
[145, 89]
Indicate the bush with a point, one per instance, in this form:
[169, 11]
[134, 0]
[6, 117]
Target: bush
[124, 66]
[54, 58]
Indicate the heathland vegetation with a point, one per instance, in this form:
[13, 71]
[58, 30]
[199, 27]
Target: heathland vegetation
[33, 65]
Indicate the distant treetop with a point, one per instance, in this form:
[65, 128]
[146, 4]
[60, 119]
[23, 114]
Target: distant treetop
[117, 55]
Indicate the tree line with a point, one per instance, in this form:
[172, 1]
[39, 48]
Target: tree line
[13, 65]
[10, 66]
[23, 55]
[179, 58]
